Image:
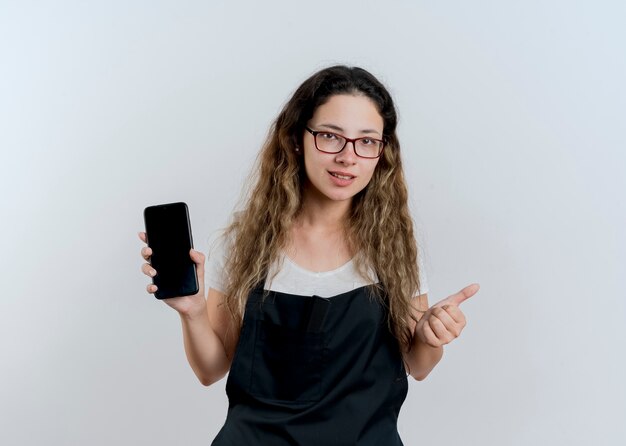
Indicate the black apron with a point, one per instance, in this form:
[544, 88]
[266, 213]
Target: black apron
[314, 371]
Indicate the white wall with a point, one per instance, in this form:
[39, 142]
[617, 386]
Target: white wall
[512, 124]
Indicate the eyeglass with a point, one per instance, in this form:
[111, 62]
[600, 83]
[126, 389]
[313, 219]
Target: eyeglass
[329, 142]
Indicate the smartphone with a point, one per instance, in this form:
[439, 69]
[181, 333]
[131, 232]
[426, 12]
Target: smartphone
[168, 233]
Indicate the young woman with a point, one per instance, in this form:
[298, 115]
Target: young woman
[315, 304]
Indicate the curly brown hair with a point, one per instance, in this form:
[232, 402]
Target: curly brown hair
[379, 229]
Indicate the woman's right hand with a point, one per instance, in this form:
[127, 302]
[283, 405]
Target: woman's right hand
[185, 305]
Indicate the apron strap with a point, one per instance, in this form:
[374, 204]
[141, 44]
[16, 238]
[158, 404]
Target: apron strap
[318, 309]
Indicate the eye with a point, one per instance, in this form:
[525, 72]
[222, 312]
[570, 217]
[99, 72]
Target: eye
[368, 141]
[327, 136]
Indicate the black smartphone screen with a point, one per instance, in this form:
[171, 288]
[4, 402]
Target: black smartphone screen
[168, 230]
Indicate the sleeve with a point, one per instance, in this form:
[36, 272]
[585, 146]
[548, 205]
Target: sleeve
[214, 271]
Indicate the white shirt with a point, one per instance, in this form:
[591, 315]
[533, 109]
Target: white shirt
[294, 279]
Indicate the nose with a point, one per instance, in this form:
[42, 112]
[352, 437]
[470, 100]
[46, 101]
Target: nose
[347, 155]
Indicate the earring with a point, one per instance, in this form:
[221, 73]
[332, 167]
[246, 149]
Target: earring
[297, 149]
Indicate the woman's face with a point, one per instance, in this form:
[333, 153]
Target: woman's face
[340, 176]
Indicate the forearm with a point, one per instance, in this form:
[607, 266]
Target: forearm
[422, 358]
[204, 350]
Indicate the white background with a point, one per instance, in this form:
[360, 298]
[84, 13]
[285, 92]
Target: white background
[512, 126]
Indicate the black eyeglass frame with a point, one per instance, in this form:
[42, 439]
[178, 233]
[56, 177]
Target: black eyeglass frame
[383, 143]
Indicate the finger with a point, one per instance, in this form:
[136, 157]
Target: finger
[198, 258]
[445, 318]
[440, 330]
[429, 335]
[448, 330]
[459, 297]
[151, 288]
[146, 252]
[142, 236]
[455, 313]
[147, 269]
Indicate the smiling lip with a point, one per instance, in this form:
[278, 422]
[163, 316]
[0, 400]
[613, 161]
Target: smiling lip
[341, 182]
[343, 174]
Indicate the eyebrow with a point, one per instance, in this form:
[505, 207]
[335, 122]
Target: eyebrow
[339, 129]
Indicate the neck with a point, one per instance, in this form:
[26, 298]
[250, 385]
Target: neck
[320, 212]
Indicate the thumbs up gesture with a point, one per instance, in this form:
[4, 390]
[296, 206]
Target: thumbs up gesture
[444, 321]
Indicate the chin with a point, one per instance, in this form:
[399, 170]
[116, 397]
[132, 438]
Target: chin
[335, 193]
[341, 195]
[341, 198]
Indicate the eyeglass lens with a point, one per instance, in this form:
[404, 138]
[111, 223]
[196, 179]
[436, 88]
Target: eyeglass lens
[331, 142]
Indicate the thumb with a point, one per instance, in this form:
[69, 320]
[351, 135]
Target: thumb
[461, 296]
[198, 259]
